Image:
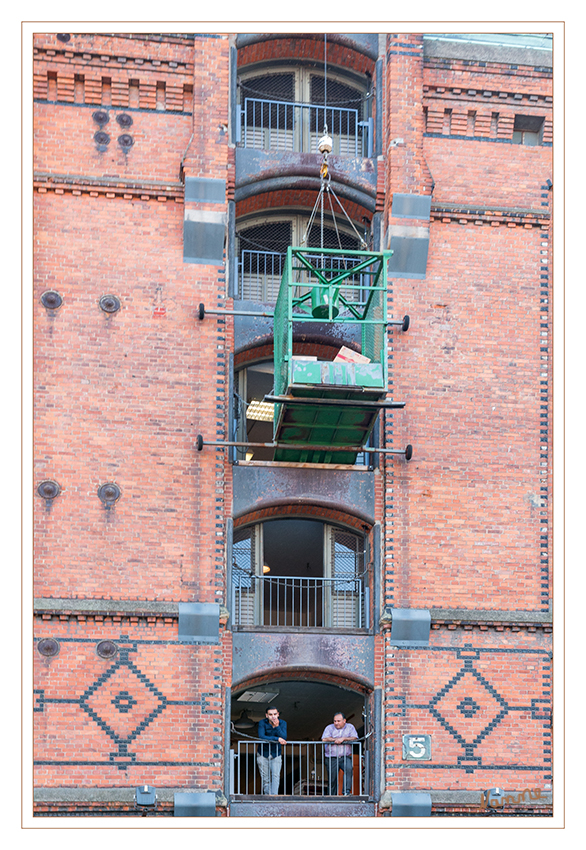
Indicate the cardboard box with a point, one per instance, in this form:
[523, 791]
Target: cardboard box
[347, 355]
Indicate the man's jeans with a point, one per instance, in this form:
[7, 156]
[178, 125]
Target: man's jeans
[270, 773]
[334, 765]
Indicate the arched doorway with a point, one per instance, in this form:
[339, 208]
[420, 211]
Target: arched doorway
[307, 702]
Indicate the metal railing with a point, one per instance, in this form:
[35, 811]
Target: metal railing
[260, 272]
[284, 126]
[308, 769]
[299, 602]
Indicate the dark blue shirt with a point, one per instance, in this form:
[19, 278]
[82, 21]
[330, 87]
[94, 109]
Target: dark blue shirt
[267, 730]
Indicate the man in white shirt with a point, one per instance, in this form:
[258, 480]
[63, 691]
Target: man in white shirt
[338, 738]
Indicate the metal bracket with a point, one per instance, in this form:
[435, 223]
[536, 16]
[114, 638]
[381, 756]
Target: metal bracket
[336, 402]
[202, 312]
[407, 451]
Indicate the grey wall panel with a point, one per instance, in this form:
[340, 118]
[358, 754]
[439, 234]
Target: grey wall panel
[347, 490]
[411, 206]
[203, 242]
[410, 626]
[199, 621]
[255, 652]
[209, 189]
[409, 259]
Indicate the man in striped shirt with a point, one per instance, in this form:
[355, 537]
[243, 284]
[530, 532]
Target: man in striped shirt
[338, 738]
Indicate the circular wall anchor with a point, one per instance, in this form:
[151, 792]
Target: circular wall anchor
[109, 303]
[51, 299]
[201, 311]
[48, 647]
[49, 489]
[406, 323]
[106, 649]
[124, 119]
[125, 140]
[102, 140]
[101, 117]
[199, 442]
[63, 36]
[109, 493]
[408, 452]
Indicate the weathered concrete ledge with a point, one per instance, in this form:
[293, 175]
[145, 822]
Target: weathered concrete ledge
[107, 607]
[481, 616]
[472, 799]
[109, 795]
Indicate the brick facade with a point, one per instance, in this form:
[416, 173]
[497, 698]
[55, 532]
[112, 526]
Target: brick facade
[463, 530]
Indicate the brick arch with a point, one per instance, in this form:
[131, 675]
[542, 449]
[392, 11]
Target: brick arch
[319, 675]
[291, 200]
[310, 345]
[281, 509]
[308, 48]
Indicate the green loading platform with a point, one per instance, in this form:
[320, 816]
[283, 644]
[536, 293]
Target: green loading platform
[324, 405]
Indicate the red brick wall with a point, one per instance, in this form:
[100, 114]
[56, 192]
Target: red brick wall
[482, 694]
[467, 531]
[174, 728]
[119, 398]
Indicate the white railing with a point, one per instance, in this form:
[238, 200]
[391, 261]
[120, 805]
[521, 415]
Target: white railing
[308, 769]
[341, 603]
[284, 126]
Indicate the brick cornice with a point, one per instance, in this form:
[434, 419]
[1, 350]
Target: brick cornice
[105, 59]
[492, 216]
[110, 187]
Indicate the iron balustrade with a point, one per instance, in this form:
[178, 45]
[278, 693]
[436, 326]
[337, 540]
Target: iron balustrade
[296, 602]
[305, 769]
[284, 126]
[260, 272]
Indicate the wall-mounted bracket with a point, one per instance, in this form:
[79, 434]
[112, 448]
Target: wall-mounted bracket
[201, 313]
[200, 443]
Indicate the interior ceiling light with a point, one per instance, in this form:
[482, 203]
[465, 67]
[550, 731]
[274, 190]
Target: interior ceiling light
[257, 696]
[266, 569]
[244, 721]
[263, 411]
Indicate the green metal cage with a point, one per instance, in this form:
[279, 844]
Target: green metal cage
[330, 286]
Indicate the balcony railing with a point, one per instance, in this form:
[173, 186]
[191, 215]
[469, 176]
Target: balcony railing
[284, 126]
[306, 770]
[260, 272]
[300, 602]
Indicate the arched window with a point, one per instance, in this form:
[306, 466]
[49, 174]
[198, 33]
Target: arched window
[263, 243]
[300, 573]
[284, 108]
